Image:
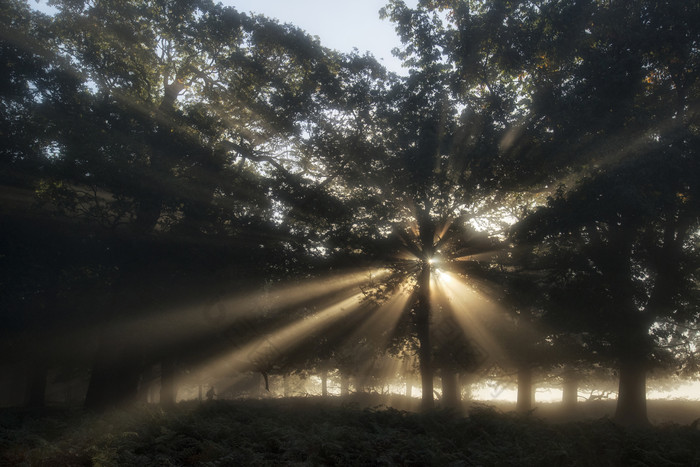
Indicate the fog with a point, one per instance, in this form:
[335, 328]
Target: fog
[224, 243]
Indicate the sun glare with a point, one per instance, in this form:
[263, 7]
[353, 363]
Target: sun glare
[442, 276]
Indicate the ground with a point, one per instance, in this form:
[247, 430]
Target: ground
[313, 431]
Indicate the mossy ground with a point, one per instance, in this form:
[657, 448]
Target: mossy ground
[311, 431]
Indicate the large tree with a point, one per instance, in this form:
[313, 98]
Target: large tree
[583, 91]
[434, 160]
[619, 87]
[187, 152]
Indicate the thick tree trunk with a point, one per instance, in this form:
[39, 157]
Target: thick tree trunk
[114, 380]
[148, 376]
[168, 388]
[451, 392]
[631, 400]
[111, 386]
[525, 392]
[465, 382]
[569, 397]
[35, 396]
[423, 331]
[265, 384]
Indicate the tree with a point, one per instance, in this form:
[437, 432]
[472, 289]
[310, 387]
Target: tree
[42, 262]
[630, 223]
[447, 168]
[623, 255]
[172, 140]
[585, 90]
[187, 138]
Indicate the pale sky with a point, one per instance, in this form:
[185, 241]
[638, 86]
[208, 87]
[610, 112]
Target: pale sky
[339, 24]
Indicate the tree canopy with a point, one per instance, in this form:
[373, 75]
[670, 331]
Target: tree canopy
[533, 177]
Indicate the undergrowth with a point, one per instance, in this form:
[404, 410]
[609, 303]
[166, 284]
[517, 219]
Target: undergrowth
[308, 432]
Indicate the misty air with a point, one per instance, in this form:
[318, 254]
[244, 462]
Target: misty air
[223, 242]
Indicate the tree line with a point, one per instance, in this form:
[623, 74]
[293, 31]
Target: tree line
[158, 155]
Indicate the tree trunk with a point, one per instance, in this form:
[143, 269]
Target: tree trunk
[409, 388]
[423, 331]
[266, 384]
[631, 400]
[114, 380]
[569, 397]
[451, 393]
[359, 384]
[324, 383]
[344, 385]
[111, 386]
[142, 394]
[465, 382]
[525, 392]
[36, 386]
[285, 384]
[168, 388]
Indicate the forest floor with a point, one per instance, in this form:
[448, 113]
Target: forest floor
[336, 431]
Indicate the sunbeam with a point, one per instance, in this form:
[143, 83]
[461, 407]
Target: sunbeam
[210, 214]
[276, 343]
[381, 324]
[471, 310]
[164, 328]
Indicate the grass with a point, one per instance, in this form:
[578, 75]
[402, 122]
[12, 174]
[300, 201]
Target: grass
[312, 431]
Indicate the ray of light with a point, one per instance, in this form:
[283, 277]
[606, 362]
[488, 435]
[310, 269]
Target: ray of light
[483, 256]
[275, 344]
[379, 327]
[293, 295]
[469, 308]
[442, 230]
[407, 256]
[440, 276]
[486, 288]
[611, 151]
[387, 370]
[167, 327]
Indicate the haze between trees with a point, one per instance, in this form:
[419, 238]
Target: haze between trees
[197, 175]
